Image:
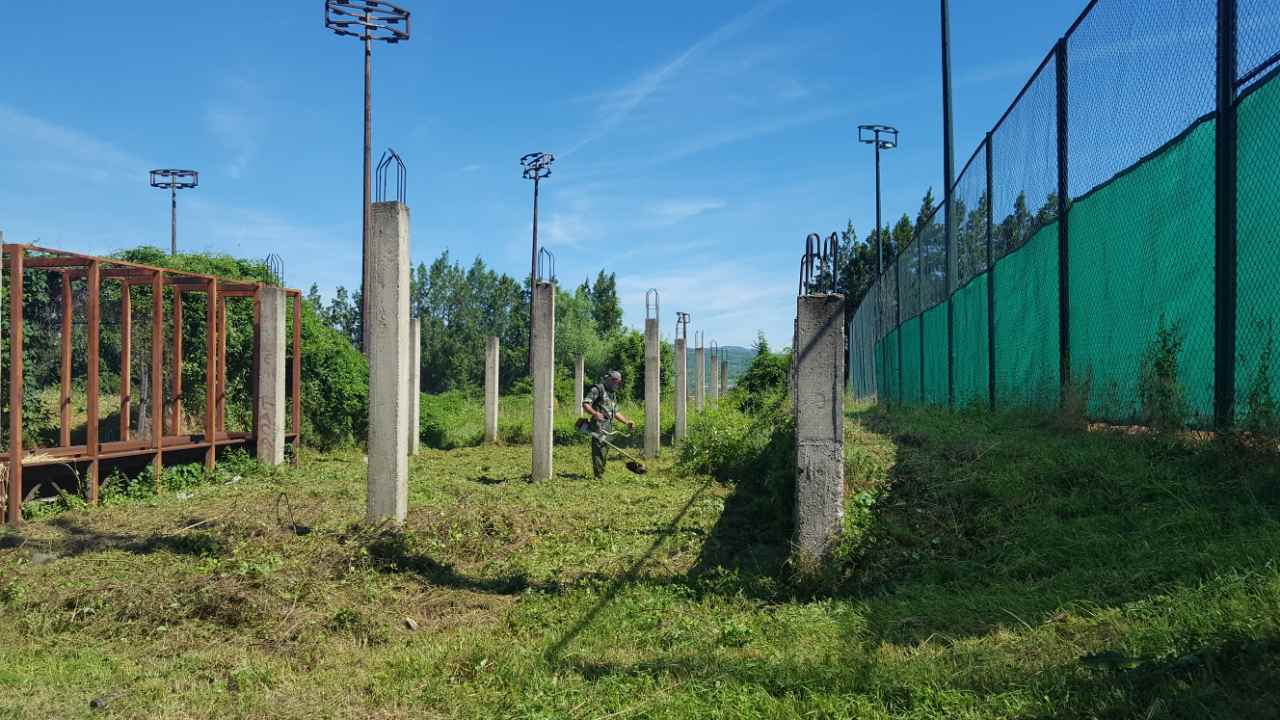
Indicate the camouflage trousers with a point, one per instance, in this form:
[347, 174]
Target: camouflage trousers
[597, 458]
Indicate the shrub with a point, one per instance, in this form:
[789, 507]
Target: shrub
[1164, 404]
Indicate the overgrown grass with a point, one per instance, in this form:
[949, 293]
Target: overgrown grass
[995, 568]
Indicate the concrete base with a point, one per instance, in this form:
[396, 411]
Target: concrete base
[415, 385]
[491, 391]
[579, 380]
[652, 389]
[389, 359]
[682, 390]
[819, 408]
[271, 377]
[544, 396]
[700, 377]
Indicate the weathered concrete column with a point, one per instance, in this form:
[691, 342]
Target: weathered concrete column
[682, 390]
[579, 377]
[271, 378]
[491, 390]
[715, 375]
[388, 328]
[724, 376]
[652, 389]
[700, 376]
[819, 408]
[544, 396]
[415, 385]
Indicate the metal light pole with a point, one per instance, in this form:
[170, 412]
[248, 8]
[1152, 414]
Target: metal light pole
[870, 134]
[368, 20]
[949, 173]
[537, 165]
[173, 181]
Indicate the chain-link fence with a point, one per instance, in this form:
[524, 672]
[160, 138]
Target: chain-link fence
[1114, 239]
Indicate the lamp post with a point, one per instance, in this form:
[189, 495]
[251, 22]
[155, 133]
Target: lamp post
[537, 165]
[173, 181]
[871, 134]
[368, 20]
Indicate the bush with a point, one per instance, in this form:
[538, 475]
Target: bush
[335, 385]
[746, 448]
[1164, 404]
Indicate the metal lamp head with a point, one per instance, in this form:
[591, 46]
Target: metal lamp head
[367, 20]
[537, 165]
[170, 179]
[883, 136]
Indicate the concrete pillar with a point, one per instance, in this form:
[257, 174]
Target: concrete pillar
[579, 378]
[491, 390]
[819, 408]
[700, 376]
[682, 391]
[715, 377]
[544, 396]
[271, 378]
[652, 389]
[415, 385]
[724, 376]
[388, 328]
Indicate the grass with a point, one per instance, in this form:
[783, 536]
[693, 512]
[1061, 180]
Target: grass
[993, 568]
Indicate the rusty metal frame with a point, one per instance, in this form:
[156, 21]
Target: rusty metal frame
[94, 270]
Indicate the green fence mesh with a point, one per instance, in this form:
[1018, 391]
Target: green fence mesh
[971, 366]
[889, 347]
[1142, 257]
[935, 355]
[1258, 235]
[1027, 322]
[910, 334]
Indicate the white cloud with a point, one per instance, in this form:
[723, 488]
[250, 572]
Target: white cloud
[236, 120]
[674, 210]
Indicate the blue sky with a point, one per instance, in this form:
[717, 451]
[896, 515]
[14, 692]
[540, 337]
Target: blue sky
[697, 143]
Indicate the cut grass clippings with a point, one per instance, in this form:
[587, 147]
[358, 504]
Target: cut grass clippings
[994, 568]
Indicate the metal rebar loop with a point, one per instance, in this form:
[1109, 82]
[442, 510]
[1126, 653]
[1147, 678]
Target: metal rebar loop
[389, 157]
[367, 20]
[275, 268]
[714, 349]
[651, 310]
[682, 325]
[546, 262]
[699, 336]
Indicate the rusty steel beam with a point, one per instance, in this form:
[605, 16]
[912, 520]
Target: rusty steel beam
[126, 359]
[64, 394]
[14, 508]
[222, 366]
[94, 303]
[157, 374]
[175, 425]
[56, 263]
[210, 374]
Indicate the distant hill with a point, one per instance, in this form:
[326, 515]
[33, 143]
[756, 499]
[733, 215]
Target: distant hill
[739, 360]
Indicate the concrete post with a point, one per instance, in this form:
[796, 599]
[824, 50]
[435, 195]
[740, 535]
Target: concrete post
[415, 385]
[682, 391]
[700, 376]
[724, 376]
[388, 328]
[544, 397]
[652, 389]
[271, 379]
[491, 391]
[819, 408]
[579, 377]
[715, 377]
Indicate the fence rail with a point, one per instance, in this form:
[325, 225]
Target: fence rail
[1115, 236]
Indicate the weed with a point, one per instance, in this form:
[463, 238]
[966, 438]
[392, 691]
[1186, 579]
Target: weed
[1262, 412]
[1164, 404]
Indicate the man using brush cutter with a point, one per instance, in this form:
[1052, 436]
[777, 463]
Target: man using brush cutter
[601, 405]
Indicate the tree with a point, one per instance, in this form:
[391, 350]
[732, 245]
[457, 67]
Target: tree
[605, 307]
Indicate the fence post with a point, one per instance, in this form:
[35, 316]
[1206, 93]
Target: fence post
[897, 318]
[920, 309]
[1225, 250]
[991, 288]
[948, 170]
[1064, 296]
